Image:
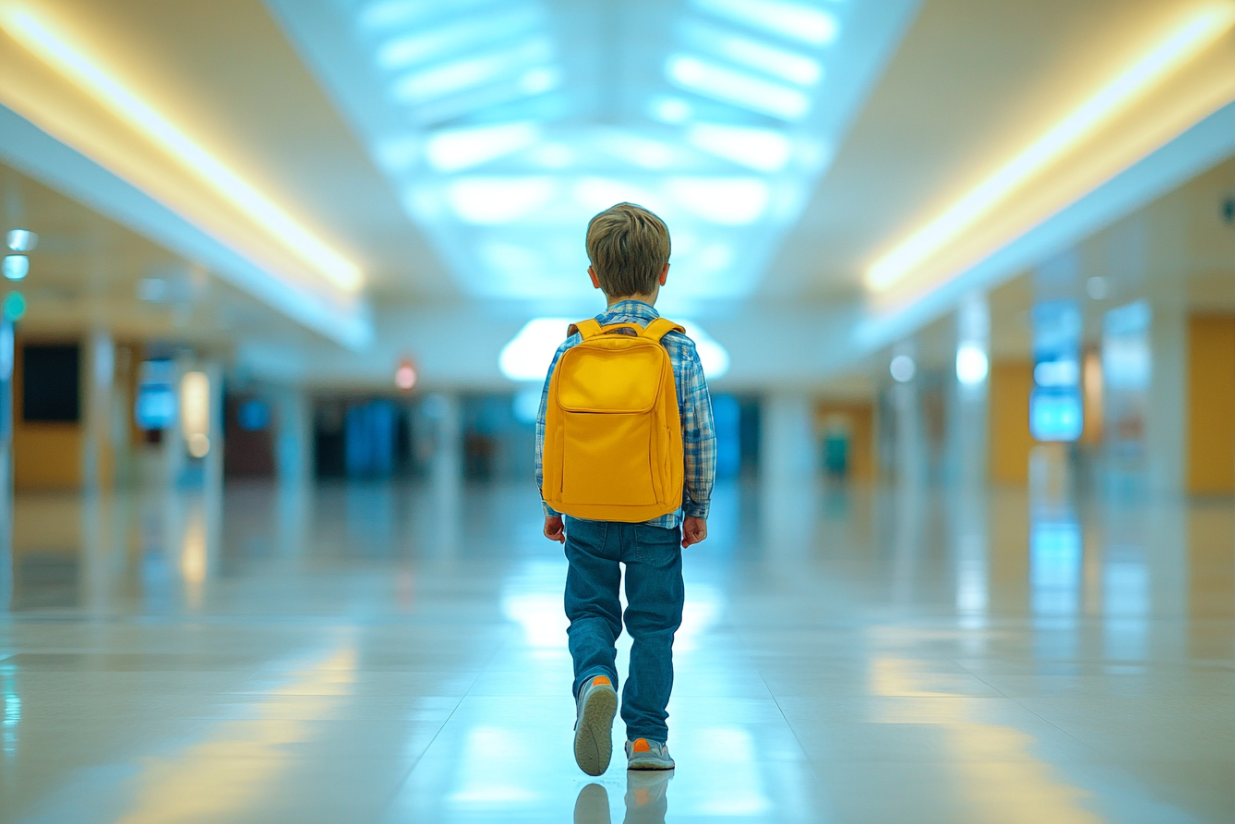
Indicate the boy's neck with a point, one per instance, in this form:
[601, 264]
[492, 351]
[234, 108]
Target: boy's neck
[650, 300]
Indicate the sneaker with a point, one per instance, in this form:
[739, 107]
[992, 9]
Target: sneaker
[642, 754]
[594, 725]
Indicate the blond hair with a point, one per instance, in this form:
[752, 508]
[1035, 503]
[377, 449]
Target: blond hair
[628, 247]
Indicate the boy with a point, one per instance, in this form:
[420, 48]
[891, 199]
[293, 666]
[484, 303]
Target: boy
[628, 247]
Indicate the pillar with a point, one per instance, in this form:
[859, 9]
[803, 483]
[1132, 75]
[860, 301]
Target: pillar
[442, 413]
[787, 450]
[6, 463]
[1166, 413]
[99, 453]
[294, 438]
[968, 421]
[788, 457]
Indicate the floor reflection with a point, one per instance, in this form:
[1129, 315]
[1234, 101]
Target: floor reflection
[358, 653]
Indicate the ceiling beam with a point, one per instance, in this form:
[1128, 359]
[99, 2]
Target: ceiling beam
[345, 320]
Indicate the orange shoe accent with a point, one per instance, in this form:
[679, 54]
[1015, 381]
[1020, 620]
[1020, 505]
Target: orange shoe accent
[641, 745]
[601, 681]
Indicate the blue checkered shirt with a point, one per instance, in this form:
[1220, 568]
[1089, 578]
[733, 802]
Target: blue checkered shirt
[694, 404]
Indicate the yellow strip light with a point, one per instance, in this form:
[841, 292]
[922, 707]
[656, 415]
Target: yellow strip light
[1198, 32]
[70, 61]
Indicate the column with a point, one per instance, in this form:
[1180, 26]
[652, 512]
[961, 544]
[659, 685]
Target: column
[294, 438]
[99, 453]
[441, 413]
[788, 456]
[6, 463]
[787, 450]
[969, 426]
[1166, 411]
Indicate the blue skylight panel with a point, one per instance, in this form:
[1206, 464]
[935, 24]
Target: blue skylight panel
[388, 14]
[736, 88]
[458, 149]
[462, 75]
[761, 149]
[802, 23]
[754, 54]
[435, 44]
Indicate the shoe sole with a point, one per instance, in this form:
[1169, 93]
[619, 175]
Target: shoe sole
[651, 765]
[594, 735]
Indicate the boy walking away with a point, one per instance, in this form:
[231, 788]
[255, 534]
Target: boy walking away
[626, 451]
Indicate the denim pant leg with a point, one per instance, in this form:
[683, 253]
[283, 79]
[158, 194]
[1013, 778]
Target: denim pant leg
[654, 595]
[592, 603]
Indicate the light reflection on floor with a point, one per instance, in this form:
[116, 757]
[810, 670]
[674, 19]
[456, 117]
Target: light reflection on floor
[388, 653]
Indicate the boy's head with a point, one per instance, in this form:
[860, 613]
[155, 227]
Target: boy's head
[629, 250]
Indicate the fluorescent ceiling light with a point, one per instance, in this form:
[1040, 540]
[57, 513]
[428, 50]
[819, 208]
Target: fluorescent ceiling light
[1198, 32]
[528, 355]
[16, 267]
[553, 156]
[457, 149]
[22, 240]
[794, 21]
[673, 110]
[753, 54]
[736, 201]
[540, 80]
[391, 13]
[760, 149]
[462, 75]
[972, 364]
[72, 62]
[464, 35]
[639, 151]
[736, 88]
[496, 200]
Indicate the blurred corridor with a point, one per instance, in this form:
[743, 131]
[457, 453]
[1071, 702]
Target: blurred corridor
[281, 283]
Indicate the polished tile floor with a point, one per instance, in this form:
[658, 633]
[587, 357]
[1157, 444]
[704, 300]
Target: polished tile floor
[384, 653]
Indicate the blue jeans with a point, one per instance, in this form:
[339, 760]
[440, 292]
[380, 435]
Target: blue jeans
[654, 595]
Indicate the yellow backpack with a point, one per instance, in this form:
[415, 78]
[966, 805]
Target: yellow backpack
[613, 435]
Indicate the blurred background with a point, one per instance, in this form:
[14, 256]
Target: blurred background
[282, 279]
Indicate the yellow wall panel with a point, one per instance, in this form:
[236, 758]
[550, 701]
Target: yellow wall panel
[1011, 383]
[1211, 404]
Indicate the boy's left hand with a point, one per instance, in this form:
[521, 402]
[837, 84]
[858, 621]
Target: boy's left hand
[694, 530]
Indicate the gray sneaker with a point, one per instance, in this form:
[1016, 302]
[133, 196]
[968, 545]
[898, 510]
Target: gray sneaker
[594, 725]
[642, 754]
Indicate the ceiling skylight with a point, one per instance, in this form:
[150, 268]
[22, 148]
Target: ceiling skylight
[461, 75]
[458, 149]
[468, 34]
[803, 23]
[761, 149]
[749, 53]
[505, 125]
[738, 88]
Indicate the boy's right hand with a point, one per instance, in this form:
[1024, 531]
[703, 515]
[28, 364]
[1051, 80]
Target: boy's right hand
[554, 530]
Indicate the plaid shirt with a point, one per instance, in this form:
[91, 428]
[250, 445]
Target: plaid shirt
[694, 403]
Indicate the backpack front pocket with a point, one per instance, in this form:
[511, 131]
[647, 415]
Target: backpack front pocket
[607, 460]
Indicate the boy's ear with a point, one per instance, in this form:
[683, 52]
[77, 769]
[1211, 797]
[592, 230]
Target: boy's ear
[664, 274]
[592, 274]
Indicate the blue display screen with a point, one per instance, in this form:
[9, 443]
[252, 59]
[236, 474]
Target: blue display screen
[1056, 415]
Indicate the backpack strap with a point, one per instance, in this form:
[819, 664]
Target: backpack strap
[587, 328]
[660, 327]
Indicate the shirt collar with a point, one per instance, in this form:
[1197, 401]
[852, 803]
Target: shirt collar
[637, 308]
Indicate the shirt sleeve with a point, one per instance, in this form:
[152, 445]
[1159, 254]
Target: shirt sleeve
[540, 427]
[698, 435]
